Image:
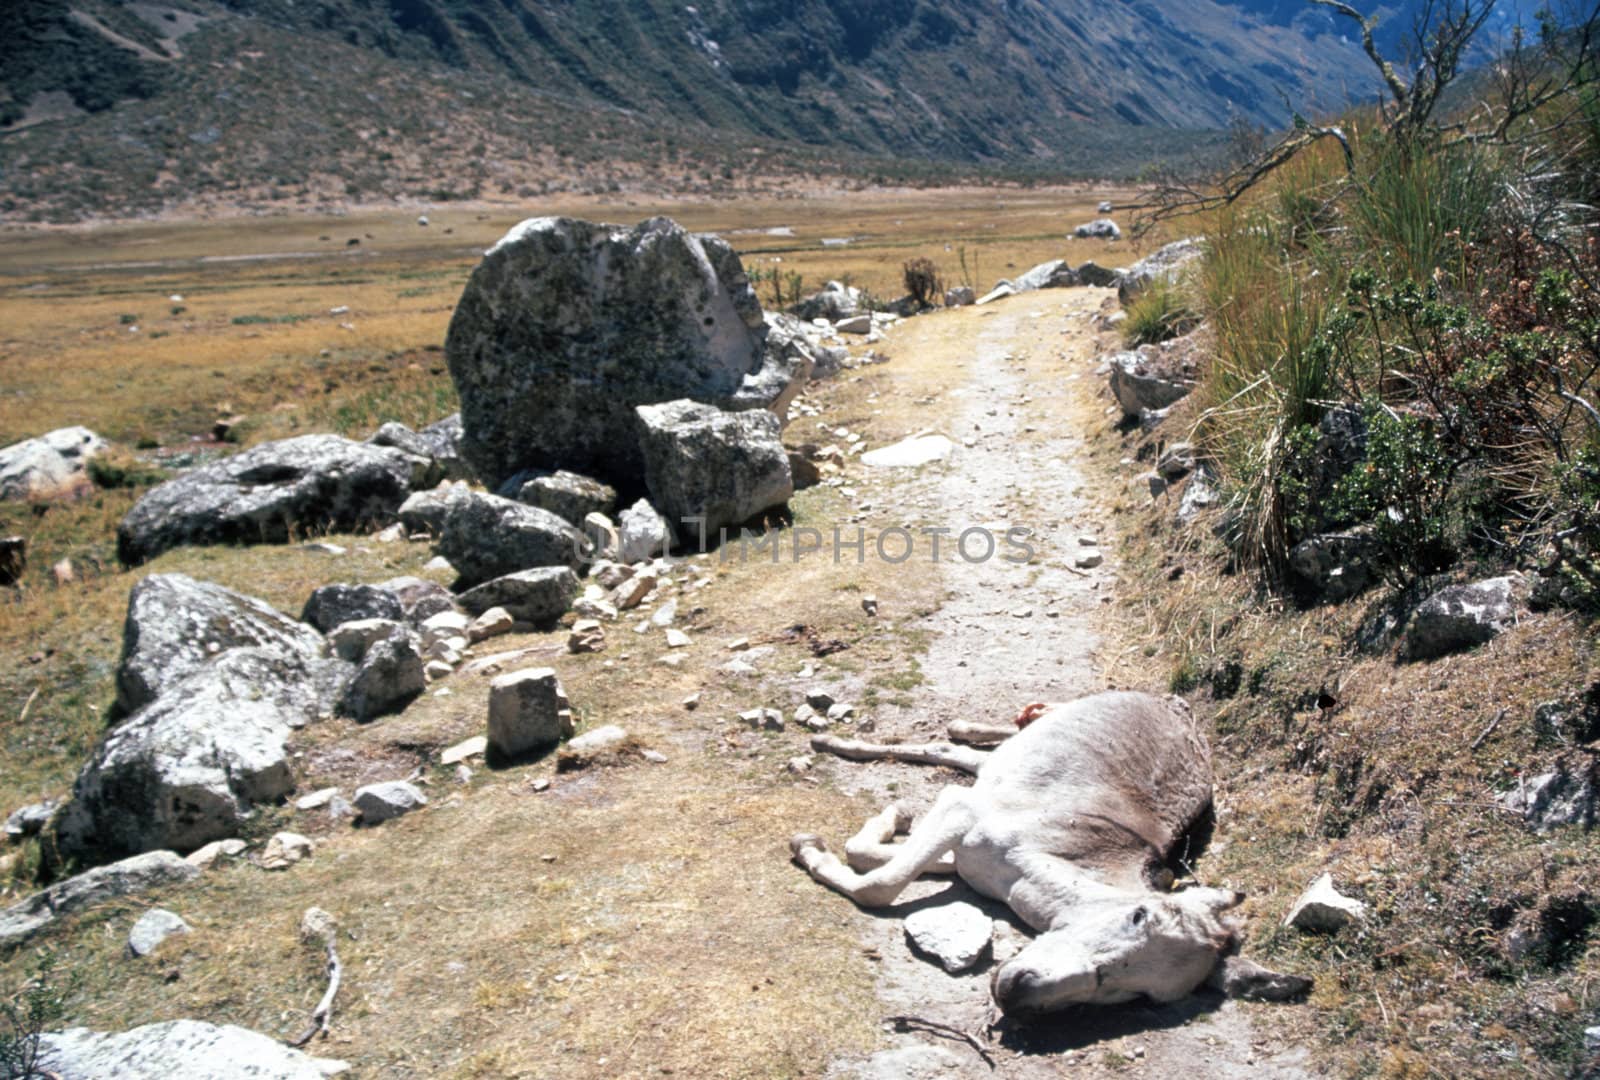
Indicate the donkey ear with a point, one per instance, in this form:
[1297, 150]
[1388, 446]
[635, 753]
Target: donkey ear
[1237, 977]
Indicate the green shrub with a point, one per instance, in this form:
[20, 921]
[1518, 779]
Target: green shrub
[1401, 488]
[25, 1015]
[1161, 312]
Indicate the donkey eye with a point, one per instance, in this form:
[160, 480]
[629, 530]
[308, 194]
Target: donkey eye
[1138, 916]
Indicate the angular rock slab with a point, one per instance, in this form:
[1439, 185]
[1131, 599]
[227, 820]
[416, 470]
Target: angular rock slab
[1138, 386]
[334, 605]
[720, 467]
[567, 495]
[956, 936]
[1323, 909]
[388, 678]
[566, 326]
[910, 453]
[186, 769]
[266, 494]
[391, 799]
[1564, 796]
[1461, 617]
[537, 596]
[528, 713]
[151, 870]
[186, 1049]
[486, 537]
[1166, 264]
[175, 625]
[154, 927]
[53, 464]
[642, 534]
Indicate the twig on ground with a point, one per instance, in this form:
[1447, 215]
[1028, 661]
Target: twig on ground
[322, 1015]
[1486, 732]
[26, 705]
[943, 1031]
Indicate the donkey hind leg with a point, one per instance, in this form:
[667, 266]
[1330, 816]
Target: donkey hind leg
[873, 846]
[935, 835]
[964, 758]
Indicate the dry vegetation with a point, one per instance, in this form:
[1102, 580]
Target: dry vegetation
[637, 920]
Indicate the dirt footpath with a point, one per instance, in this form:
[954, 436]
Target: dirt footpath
[1008, 634]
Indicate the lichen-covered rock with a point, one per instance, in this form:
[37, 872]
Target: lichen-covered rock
[152, 928]
[1461, 617]
[1566, 795]
[1097, 276]
[269, 493]
[485, 537]
[54, 464]
[833, 302]
[539, 597]
[388, 678]
[792, 359]
[567, 495]
[1167, 264]
[425, 511]
[176, 625]
[333, 605]
[567, 325]
[186, 768]
[528, 713]
[438, 443]
[151, 870]
[420, 599]
[719, 467]
[1099, 229]
[186, 1049]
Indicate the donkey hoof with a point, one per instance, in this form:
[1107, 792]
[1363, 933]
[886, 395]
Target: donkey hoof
[803, 842]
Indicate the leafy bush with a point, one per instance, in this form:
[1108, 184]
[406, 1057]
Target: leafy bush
[119, 469]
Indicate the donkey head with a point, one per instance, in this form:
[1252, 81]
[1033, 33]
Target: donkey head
[1118, 948]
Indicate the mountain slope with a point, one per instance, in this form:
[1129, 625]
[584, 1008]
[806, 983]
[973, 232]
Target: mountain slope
[115, 106]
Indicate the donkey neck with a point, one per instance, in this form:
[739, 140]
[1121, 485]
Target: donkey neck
[1050, 890]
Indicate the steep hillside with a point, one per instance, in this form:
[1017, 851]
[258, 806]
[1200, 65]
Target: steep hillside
[112, 106]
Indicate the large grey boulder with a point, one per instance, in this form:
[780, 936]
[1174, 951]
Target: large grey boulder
[1461, 617]
[539, 597]
[151, 870]
[1098, 229]
[333, 605]
[176, 625]
[186, 768]
[486, 537]
[567, 495]
[269, 493]
[389, 677]
[567, 325]
[1140, 384]
[720, 467]
[1055, 274]
[1167, 264]
[53, 464]
[179, 1050]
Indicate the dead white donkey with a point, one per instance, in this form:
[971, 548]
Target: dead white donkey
[1071, 823]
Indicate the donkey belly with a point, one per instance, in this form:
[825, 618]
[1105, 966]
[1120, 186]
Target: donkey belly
[982, 861]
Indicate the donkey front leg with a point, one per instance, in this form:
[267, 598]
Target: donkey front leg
[934, 836]
[956, 757]
[874, 845]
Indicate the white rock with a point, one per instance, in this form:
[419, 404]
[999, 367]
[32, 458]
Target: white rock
[186, 1049]
[1322, 909]
[910, 453]
[154, 927]
[764, 719]
[676, 639]
[316, 800]
[665, 614]
[434, 670]
[207, 856]
[1089, 560]
[492, 623]
[465, 749]
[956, 936]
[445, 624]
[284, 850]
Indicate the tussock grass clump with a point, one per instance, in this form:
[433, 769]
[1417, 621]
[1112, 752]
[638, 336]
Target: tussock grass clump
[1162, 312]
